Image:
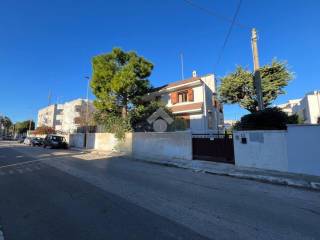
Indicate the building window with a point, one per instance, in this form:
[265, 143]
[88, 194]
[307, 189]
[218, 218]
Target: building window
[77, 120]
[59, 111]
[77, 108]
[182, 122]
[58, 122]
[183, 96]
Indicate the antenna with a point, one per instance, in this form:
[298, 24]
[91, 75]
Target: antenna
[49, 97]
[182, 70]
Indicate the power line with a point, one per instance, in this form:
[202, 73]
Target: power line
[229, 32]
[216, 14]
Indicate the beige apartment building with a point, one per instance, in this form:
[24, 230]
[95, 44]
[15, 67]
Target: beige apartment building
[66, 117]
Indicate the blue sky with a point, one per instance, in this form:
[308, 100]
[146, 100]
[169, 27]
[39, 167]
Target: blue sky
[49, 44]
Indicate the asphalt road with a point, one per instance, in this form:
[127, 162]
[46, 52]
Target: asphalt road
[59, 194]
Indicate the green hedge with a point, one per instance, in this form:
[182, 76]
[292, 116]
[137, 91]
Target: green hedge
[267, 119]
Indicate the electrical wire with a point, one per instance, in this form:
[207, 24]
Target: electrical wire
[215, 14]
[229, 32]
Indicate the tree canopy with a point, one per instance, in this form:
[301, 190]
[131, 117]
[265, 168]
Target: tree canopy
[5, 122]
[23, 127]
[238, 86]
[119, 80]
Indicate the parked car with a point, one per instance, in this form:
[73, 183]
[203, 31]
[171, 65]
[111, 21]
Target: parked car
[8, 138]
[21, 140]
[37, 141]
[55, 141]
[27, 141]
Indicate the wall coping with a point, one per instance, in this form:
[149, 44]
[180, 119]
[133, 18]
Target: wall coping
[303, 125]
[177, 132]
[263, 131]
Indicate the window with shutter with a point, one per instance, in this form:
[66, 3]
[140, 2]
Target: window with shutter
[174, 97]
[190, 95]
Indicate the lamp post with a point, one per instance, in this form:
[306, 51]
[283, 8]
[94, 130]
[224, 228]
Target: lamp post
[87, 111]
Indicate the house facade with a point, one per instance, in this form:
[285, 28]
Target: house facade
[307, 108]
[67, 117]
[195, 101]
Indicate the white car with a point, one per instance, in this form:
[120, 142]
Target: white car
[27, 141]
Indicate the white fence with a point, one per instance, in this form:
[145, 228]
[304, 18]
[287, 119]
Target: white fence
[262, 149]
[167, 146]
[304, 149]
[295, 150]
[143, 145]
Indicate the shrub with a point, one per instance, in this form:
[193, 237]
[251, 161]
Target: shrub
[114, 123]
[140, 114]
[179, 124]
[267, 119]
[44, 130]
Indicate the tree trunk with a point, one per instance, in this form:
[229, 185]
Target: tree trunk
[124, 111]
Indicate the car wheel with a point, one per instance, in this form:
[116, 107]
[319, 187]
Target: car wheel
[44, 146]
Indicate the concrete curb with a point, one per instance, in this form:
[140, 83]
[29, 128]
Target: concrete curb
[298, 183]
[196, 165]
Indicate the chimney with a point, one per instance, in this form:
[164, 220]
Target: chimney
[194, 73]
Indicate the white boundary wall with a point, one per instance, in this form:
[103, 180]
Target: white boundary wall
[295, 150]
[264, 149]
[304, 149]
[142, 145]
[166, 146]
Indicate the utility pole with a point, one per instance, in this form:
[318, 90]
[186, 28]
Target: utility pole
[256, 66]
[87, 110]
[30, 124]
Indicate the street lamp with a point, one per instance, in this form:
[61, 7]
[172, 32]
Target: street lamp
[87, 110]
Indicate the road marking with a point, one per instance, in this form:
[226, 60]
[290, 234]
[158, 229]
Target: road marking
[23, 163]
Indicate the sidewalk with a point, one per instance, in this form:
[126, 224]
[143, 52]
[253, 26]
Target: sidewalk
[269, 176]
[261, 175]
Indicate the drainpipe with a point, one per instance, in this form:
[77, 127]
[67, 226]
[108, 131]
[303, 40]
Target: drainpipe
[317, 93]
[205, 107]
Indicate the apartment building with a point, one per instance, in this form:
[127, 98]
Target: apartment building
[194, 100]
[307, 108]
[66, 117]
